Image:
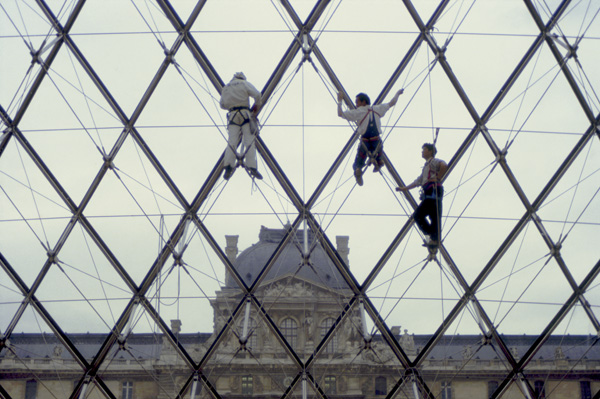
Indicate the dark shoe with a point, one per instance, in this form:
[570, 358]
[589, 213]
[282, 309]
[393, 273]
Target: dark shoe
[432, 244]
[254, 173]
[378, 167]
[228, 172]
[358, 175]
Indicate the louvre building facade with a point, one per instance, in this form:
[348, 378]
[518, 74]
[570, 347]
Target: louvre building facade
[344, 357]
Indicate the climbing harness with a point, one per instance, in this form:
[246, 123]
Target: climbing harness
[232, 116]
[366, 140]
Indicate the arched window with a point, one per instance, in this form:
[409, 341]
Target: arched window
[380, 386]
[253, 334]
[540, 390]
[325, 327]
[446, 390]
[289, 329]
[586, 390]
[127, 390]
[492, 386]
[247, 385]
[330, 385]
[31, 389]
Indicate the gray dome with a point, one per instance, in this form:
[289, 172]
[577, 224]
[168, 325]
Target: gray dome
[252, 260]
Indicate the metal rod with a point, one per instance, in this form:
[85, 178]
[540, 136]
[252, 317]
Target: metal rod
[194, 385]
[304, 393]
[363, 318]
[244, 336]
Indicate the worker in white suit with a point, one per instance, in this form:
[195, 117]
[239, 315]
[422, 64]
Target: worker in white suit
[235, 98]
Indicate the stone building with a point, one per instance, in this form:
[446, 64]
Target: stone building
[257, 351]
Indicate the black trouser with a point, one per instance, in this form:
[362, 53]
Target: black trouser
[431, 207]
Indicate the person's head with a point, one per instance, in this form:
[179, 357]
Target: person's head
[428, 150]
[239, 75]
[362, 99]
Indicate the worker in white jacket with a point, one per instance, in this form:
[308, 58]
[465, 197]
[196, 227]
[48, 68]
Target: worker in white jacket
[235, 98]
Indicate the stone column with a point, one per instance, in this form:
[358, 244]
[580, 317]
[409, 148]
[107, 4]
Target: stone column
[231, 249]
[342, 248]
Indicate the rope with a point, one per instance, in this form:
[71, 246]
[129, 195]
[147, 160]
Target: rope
[472, 198]
[26, 220]
[37, 210]
[102, 150]
[58, 264]
[523, 293]
[511, 272]
[115, 171]
[158, 38]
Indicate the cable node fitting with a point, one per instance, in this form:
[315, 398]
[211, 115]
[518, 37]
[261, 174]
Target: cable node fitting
[108, 163]
[178, 259]
[169, 56]
[556, 249]
[52, 257]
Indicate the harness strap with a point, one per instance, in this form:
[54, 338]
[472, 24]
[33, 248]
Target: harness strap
[238, 111]
[367, 114]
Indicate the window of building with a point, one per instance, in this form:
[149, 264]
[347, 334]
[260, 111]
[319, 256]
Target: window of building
[289, 329]
[325, 327]
[492, 386]
[329, 385]
[247, 387]
[380, 386]
[127, 390]
[31, 389]
[446, 390]
[586, 390]
[540, 390]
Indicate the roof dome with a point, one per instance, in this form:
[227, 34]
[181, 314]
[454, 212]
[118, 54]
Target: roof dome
[320, 269]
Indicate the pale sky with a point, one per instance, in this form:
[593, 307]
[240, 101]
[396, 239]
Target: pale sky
[70, 126]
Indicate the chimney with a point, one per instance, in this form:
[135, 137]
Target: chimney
[176, 326]
[342, 248]
[231, 249]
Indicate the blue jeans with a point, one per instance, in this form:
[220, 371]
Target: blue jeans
[374, 145]
[430, 206]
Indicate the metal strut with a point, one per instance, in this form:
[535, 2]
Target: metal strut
[244, 337]
[363, 318]
[194, 385]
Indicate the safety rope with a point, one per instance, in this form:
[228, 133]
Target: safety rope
[46, 245]
[37, 210]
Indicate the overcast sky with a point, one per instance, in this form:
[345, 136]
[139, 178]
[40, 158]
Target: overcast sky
[70, 126]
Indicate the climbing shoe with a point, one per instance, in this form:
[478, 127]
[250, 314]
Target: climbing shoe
[254, 173]
[228, 172]
[358, 175]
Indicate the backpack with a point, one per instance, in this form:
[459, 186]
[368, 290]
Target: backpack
[372, 130]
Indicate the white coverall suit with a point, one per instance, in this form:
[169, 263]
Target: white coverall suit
[235, 98]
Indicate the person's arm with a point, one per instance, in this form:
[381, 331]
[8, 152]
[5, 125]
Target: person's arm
[406, 188]
[394, 99]
[255, 94]
[443, 169]
[339, 104]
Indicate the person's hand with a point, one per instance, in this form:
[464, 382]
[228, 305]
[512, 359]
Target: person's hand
[401, 188]
[255, 109]
[401, 91]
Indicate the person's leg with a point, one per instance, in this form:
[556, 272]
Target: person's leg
[361, 155]
[249, 146]
[436, 216]
[420, 217]
[232, 144]
[378, 155]
[359, 162]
